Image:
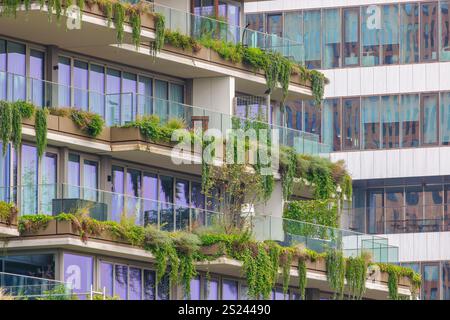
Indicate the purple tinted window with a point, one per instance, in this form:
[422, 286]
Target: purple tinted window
[279, 295]
[73, 176]
[129, 88]
[149, 285]
[106, 277]
[48, 182]
[16, 71]
[163, 288]
[118, 189]
[198, 199]
[64, 82]
[182, 204]
[121, 281]
[90, 180]
[211, 289]
[78, 271]
[166, 200]
[29, 176]
[3, 70]
[37, 77]
[145, 96]
[195, 289]
[150, 195]
[80, 83]
[135, 284]
[133, 192]
[229, 290]
[112, 97]
[97, 89]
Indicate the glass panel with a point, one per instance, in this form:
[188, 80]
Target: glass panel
[164, 288]
[433, 210]
[135, 284]
[176, 109]
[78, 271]
[33, 265]
[428, 23]
[97, 89]
[331, 38]
[113, 97]
[390, 118]
[17, 71]
[5, 174]
[145, 102]
[446, 280]
[37, 75]
[445, 118]
[106, 278]
[351, 37]
[370, 123]
[118, 190]
[409, 32]
[394, 210]
[409, 115]
[229, 289]
[414, 208]
[430, 282]
[3, 85]
[182, 204]
[390, 34]
[149, 285]
[90, 180]
[275, 30]
[370, 35]
[73, 176]
[211, 289]
[48, 181]
[29, 180]
[331, 128]
[150, 195]
[162, 95]
[350, 124]
[445, 33]
[447, 207]
[375, 214]
[166, 200]
[121, 281]
[133, 193]
[312, 114]
[64, 80]
[311, 28]
[129, 88]
[429, 106]
[80, 83]
[195, 289]
[293, 30]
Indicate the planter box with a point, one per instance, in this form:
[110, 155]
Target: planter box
[147, 20]
[68, 126]
[318, 265]
[49, 230]
[133, 135]
[212, 250]
[93, 8]
[215, 57]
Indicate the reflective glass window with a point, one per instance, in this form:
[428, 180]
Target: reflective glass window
[428, 32]
[370, 35]
[331, 38]
[444, 31]
[409, 118]
[409, 33]
[311, 34]
[390, 118]
[370, 110]
[390, 35]
[350, 123]
[429, 116]
[351, 36]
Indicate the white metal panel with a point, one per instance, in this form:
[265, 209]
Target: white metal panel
[379, 79]
[432, 245]
[419, 75]
[354, 164]
[354, 82]
[406, 78]
[432, 76]
[379, 164]
[329, 88]
[366, 171]
[406, 163]
[444, 160]
[393, 163]
[432, 163]
[420, 162]
[392, 79]
[444, 78]
[340, 85]
[367, 82]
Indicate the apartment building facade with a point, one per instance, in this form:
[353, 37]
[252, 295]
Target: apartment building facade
[385, 113]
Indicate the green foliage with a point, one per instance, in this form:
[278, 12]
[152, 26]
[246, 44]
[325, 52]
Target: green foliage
[119, 20]
[302, 278]
[41, 130]
[149, 126]
[33, 223]
[160, 26]
[180, 40]
[335, 264]
[135, 20]
[317, 84]
[356, 275]
[286, 261]
[288, 164]
[26, 109]
[59, 292]
[90, 123]
[7, 212]
[395, 272]
[226, 50]
[100, 297]
[5, 124]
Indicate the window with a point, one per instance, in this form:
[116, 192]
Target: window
[149, 285]
[144, 98]
[135, 286]
[311, 28]
[37, 77]
[370, 122]
[5, 174]
[429, 116]
[351, 37]
[394, 210]
[375, 208]
[177, 109]
[428, 26]
[195, 289]
[445, 31]
[390, 34]
[255, 22]
[409, 33]
[445, 118]
[118, 190]
[446, 280]
[80, 83]
[229, 289]
[3, 69]
[166, 200]
[150, 195]
[182, 204]
[370, 35]
[430, 281]
[29, 179]
[433, 195]
[48, 182]
[293, 31]
[64, 82]
[350, 125]
[390, 119]
[162, 95]
[414, 208]
[33, 265]
[133, 192]
[73, 171]
[121, 281]
[331, 38]
[78, 271]
[106, 278]
[97, 89]
[113, 97]
[409, 117]
[331, 129]
[129, 88]
[16, 67]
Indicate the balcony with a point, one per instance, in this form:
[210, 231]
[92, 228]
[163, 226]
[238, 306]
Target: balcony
[118, 109]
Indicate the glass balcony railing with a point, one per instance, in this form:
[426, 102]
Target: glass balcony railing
[399, 219]
[320, 238]
[30, 288]
[53, 199]
[121, 108]
[199, 27]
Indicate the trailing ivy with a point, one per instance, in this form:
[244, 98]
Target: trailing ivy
[288, 164]
[119, 20]
[160, 26]
[16, 127]
[135, 20]
[41, 130]
[302, 278]
[394, 274]
[286, 261]
[5, 124]
[335, 264]
[90, 123]
[356, 275]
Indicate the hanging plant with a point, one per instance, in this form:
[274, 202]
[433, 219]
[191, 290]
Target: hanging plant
[119, 20]
[5, 123]
[356, 275]
[317, 85]
[335, 264]
[135, 20]
[16, 128]
[288, 167]
[286, 261]
[41, 130]
[302, 278]
[160, 26]
[80, 4]
[10, 7]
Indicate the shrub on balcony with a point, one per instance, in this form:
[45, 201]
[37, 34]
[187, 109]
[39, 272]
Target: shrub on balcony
[8, 212]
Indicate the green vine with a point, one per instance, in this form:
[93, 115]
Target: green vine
[394, 273]
[6, 124]
[317, 85]
[160, 26]
[135, 20]
[335, 264]
[41, 130]
[302, 278]
[288, 163]
[356, 275]
[119, 20]
[286, 269]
